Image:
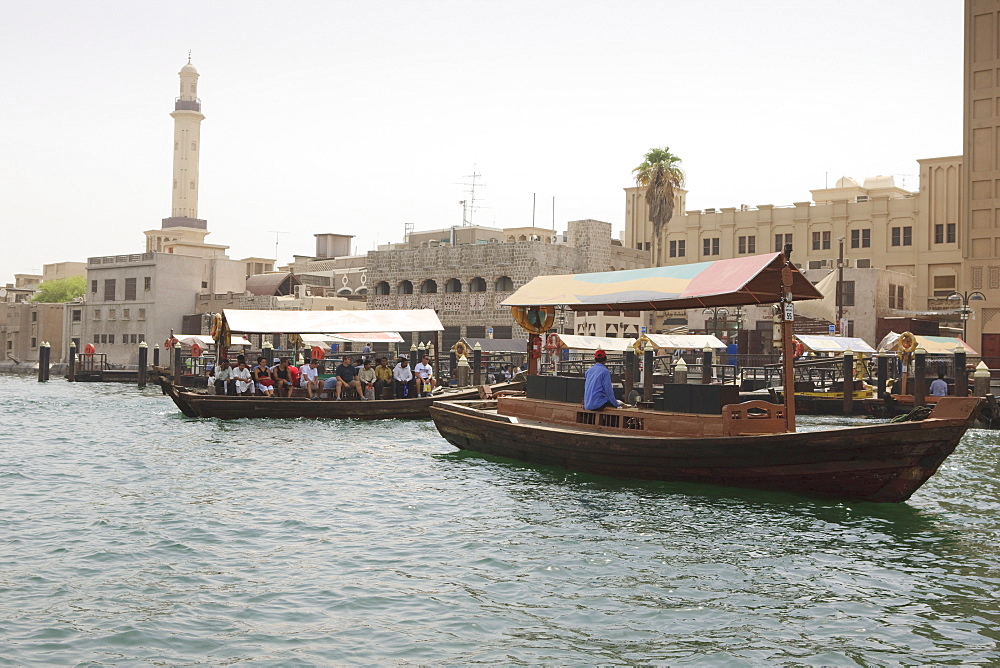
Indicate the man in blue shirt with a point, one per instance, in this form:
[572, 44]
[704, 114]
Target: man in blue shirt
[939, 388]
[597, 390]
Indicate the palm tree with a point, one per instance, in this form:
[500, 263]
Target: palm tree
[659, 174]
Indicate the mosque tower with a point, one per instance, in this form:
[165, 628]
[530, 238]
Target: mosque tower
[183, 228]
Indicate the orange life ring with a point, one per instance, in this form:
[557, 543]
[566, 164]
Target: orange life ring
[552, 341]
[907, 342]
[195, 350]
[317, 353]
[461, 350]
[89, 349]
[169, 343]
[216, 325]
[798, 349]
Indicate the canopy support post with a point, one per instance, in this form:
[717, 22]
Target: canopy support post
[788, 364]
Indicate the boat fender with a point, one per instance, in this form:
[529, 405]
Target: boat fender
[907, 342]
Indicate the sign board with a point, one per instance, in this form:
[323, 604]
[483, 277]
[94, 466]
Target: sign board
[643, 329]
[489, 332]
[833, 330]
[789, 312]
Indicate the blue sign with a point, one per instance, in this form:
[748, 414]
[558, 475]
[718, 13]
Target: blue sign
[643, 329]
[833, 329]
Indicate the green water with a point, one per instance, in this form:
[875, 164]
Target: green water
[130, 534]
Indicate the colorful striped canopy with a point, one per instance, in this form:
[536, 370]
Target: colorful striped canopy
[755, 279]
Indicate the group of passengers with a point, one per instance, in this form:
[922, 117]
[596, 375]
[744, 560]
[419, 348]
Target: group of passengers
[366, 381]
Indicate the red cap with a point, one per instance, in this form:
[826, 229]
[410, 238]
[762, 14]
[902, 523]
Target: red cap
[600, 355]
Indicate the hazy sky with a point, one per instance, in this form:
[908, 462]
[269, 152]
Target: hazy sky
[358, 117]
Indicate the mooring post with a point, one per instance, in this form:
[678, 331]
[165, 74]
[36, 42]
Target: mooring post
[462, 371]
[628, 382]
[177, 363]
[48, 359]
[706, 366]
[883, 373]
[919, 377]
[156, 354]
[71, 372]
[648, 368]
[981, 380]
[681, 372]
[143, 354]
[41, 362]
[848, 382]
[961, 376]
[477, 364]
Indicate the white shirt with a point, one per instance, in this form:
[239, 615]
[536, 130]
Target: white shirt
[308, 373]
[242, 377]
[425, 370]
[403, 374]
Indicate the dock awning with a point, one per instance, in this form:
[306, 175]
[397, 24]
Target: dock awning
[357, 337]
[607, 343]
[755, 279]
[333, 322]
[934, 345]
[679, 341]
[818, 343]
[205, 340]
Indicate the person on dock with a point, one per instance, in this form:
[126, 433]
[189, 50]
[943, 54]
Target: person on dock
[383, 377]
[597, 391]
[309, 379]
[402, 375]
[939, 387]
[367, 378]
[347, 377]
[424, 375]
[282, 377]
[242, 378]
[262, 376]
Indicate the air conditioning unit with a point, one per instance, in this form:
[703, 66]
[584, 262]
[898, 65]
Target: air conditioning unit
[847, 262]
[744, 207]
[709, 210]
[863, 264]
[862, 198]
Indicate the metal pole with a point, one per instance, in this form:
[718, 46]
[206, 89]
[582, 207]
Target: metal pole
[840, 288]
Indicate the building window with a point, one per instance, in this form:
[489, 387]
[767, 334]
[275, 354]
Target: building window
[428, 287]
[944, 285]
[111, 338]
[93, 287]
[847, 293]
[896, 296]
[104, 338]
[477, 285]
[130, 289]
[382, 288]
[204, 285]
[147, 283]
[404, 288]
[194, 147]
[112, 314]
[504, 284]
[678, 248]
[710, 246]
[109, 289]
[861, 238]
[902, 236]
[34, 342]
[97, 338]
[747, 245]
[142, 314]
[97, 314]
[780, 240]
[125, 314]
[453, 285]
[821, 240]
[34, 316]
[950, 233]
[77, 314]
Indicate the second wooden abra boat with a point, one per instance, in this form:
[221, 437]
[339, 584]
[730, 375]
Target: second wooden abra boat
[753, 444]
[195, 404]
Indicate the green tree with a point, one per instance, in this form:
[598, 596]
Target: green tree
[660, 174]
[61, 290]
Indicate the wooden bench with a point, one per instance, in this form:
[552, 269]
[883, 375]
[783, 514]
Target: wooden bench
[753, 417]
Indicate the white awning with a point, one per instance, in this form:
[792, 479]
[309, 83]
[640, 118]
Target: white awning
[358, 337]
[681, 341]
[818, 343]
[204, 340]
[337, 322]
[607, 343]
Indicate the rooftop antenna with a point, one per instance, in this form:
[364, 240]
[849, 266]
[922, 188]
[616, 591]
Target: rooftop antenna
[276, 233]
[469, 205]
[534, 196]
[553, 213]
[189, 56]
[407, 231]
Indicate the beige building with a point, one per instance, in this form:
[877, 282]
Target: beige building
[466, 282]
[23, 328]
[880, 225]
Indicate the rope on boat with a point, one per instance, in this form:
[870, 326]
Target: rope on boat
[917, 414]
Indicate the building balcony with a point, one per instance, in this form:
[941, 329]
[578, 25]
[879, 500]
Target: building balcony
[187, 105]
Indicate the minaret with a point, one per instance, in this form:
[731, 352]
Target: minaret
[187, 145]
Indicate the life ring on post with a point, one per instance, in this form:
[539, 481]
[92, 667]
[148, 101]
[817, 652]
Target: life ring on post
[461, 350]
[195, 350]
[170, 343]
[907, 342]
[317, 353]
[798, 349]
[552, 341]
[534, 319]
[216, 325]
[89, 349]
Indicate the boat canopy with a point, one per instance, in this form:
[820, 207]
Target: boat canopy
[818, 343]
[934, 345]
[336, 322]
[679, 342]
[607, 343]
[358, 337]
[755, 279]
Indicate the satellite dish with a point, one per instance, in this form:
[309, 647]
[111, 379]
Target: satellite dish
[3, 292]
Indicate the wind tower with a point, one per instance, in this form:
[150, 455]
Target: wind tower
[183, 228]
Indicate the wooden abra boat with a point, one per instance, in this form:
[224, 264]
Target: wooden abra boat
[753, 444]
[884, 462]
[196, 404]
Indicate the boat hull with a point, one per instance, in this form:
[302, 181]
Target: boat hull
[885, 463]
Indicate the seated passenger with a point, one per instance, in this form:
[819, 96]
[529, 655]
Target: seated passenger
[262, 376]
[347, 377]
[224, 379]
[402, 375]
[366, 377]
[423, 373]
[282, 377]
[242, 378]
[597, 391]
[383, 377]
[309, 379]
